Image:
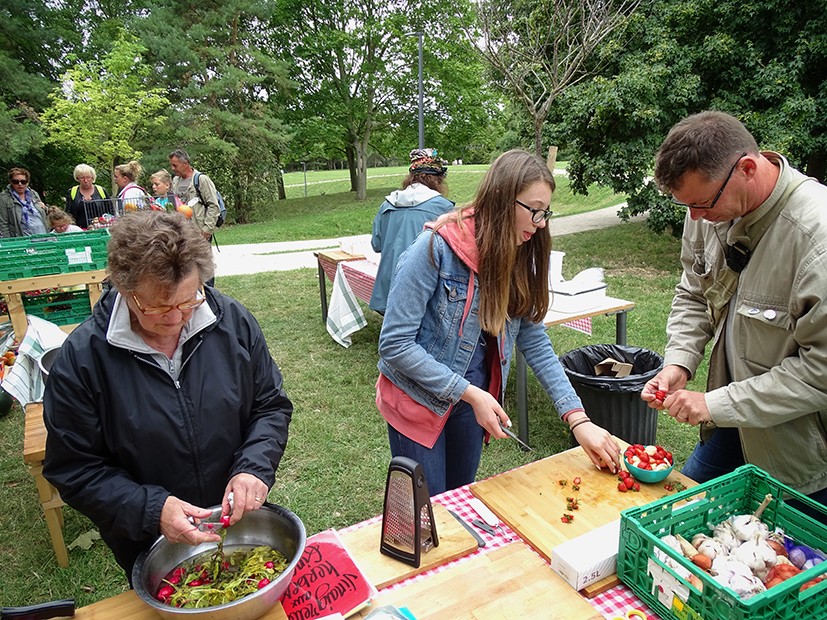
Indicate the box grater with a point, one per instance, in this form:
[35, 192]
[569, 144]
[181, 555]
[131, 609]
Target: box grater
[408, 525]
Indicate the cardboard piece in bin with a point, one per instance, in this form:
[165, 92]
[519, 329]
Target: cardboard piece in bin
[611, 367]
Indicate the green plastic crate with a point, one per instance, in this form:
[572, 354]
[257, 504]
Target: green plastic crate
[60, 308]
[42, 255]
[740, 492]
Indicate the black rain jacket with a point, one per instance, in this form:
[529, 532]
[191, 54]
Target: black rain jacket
[123, 435]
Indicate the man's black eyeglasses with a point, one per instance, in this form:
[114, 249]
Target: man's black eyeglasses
[537, 215]
[720, 191]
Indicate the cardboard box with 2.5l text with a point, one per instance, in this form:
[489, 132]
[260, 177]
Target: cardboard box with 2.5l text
[588, 558]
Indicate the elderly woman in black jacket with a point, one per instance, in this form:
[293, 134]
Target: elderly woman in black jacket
[167, 399]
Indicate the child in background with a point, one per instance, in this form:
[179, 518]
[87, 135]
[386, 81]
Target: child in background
[164, 199]
[60, 221]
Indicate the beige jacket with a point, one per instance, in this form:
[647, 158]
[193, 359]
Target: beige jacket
[777, 394]
[206, 210]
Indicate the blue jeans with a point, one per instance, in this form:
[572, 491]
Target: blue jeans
[721, 454]
[455, 457]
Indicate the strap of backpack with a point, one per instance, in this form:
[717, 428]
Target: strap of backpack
[197, 187]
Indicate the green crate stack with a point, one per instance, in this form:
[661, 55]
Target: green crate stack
[740, 492]
[60, 308]
[42, 255]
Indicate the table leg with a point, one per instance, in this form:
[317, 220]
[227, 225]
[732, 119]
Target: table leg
[323, 291]
[620, 328]
[52, 511]
[522, 397]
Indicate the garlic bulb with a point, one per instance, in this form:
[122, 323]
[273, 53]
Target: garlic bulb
[710, 547]
[724, 534]
[671, 541]
[747, 527]
[756, 554]
[737, 576]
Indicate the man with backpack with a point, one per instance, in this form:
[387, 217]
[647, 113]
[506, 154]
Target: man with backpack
[196, 190]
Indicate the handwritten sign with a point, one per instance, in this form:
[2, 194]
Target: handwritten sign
[326, 581]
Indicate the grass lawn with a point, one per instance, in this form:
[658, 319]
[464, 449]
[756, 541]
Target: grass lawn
[330, 210]
[333, 472]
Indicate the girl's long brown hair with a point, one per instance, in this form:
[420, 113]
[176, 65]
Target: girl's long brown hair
[513, 280]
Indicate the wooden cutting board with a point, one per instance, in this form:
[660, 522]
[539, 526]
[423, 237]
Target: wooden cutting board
[530, 500]
[128, 606]
[509, 583]
[382, 571]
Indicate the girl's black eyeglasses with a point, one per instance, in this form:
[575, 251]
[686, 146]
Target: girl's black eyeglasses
[537, 215]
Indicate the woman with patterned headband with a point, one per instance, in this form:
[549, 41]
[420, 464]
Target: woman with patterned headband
[403, 214]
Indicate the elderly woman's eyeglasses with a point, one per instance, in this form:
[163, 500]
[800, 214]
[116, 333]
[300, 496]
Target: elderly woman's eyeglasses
[537, 215]
[720, 191]
[19, 182]
[158, 310]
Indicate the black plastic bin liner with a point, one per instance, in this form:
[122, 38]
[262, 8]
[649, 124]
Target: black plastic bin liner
[611, 402]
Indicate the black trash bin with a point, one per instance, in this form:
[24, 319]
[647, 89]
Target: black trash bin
[611, 402]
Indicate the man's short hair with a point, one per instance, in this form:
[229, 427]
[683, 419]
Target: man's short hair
[708, 143]
[180, 155]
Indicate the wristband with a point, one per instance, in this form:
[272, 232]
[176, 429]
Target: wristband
[578, 423]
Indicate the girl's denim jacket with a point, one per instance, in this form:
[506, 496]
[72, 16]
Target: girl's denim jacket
[428, 338]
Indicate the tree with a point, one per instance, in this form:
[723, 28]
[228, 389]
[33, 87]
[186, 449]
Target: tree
[104, 107]
[355, 62]
[226, 92]
[683, 57]
[540, 49]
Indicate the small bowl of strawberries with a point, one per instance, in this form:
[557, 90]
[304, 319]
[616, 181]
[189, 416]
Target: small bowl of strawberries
[648, 463]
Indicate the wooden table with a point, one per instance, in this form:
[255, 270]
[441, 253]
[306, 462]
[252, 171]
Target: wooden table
[128, 606]
[34, 453]
[508, 581]
[607, 306]
[531, 500]
[12, 291]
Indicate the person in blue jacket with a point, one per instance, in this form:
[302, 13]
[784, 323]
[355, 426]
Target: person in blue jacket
[403, 214]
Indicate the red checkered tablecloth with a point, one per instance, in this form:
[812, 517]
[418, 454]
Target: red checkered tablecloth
[614, 602]
[361, 275]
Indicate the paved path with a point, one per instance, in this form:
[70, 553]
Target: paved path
[288, 255]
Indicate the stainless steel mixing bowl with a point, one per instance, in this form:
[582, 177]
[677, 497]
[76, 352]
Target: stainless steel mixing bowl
[271, 525]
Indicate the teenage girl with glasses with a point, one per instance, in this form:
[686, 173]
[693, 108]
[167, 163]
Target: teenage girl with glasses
[464, 294]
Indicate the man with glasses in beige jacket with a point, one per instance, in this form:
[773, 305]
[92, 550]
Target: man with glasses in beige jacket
[754, 286]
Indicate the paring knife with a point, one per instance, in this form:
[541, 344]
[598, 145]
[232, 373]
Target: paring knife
[477, 537]
[508, 432]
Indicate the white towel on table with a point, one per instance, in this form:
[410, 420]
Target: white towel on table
[25, 382]
[344, 315]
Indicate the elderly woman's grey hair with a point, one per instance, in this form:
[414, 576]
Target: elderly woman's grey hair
[85, 170]
[157, 247]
